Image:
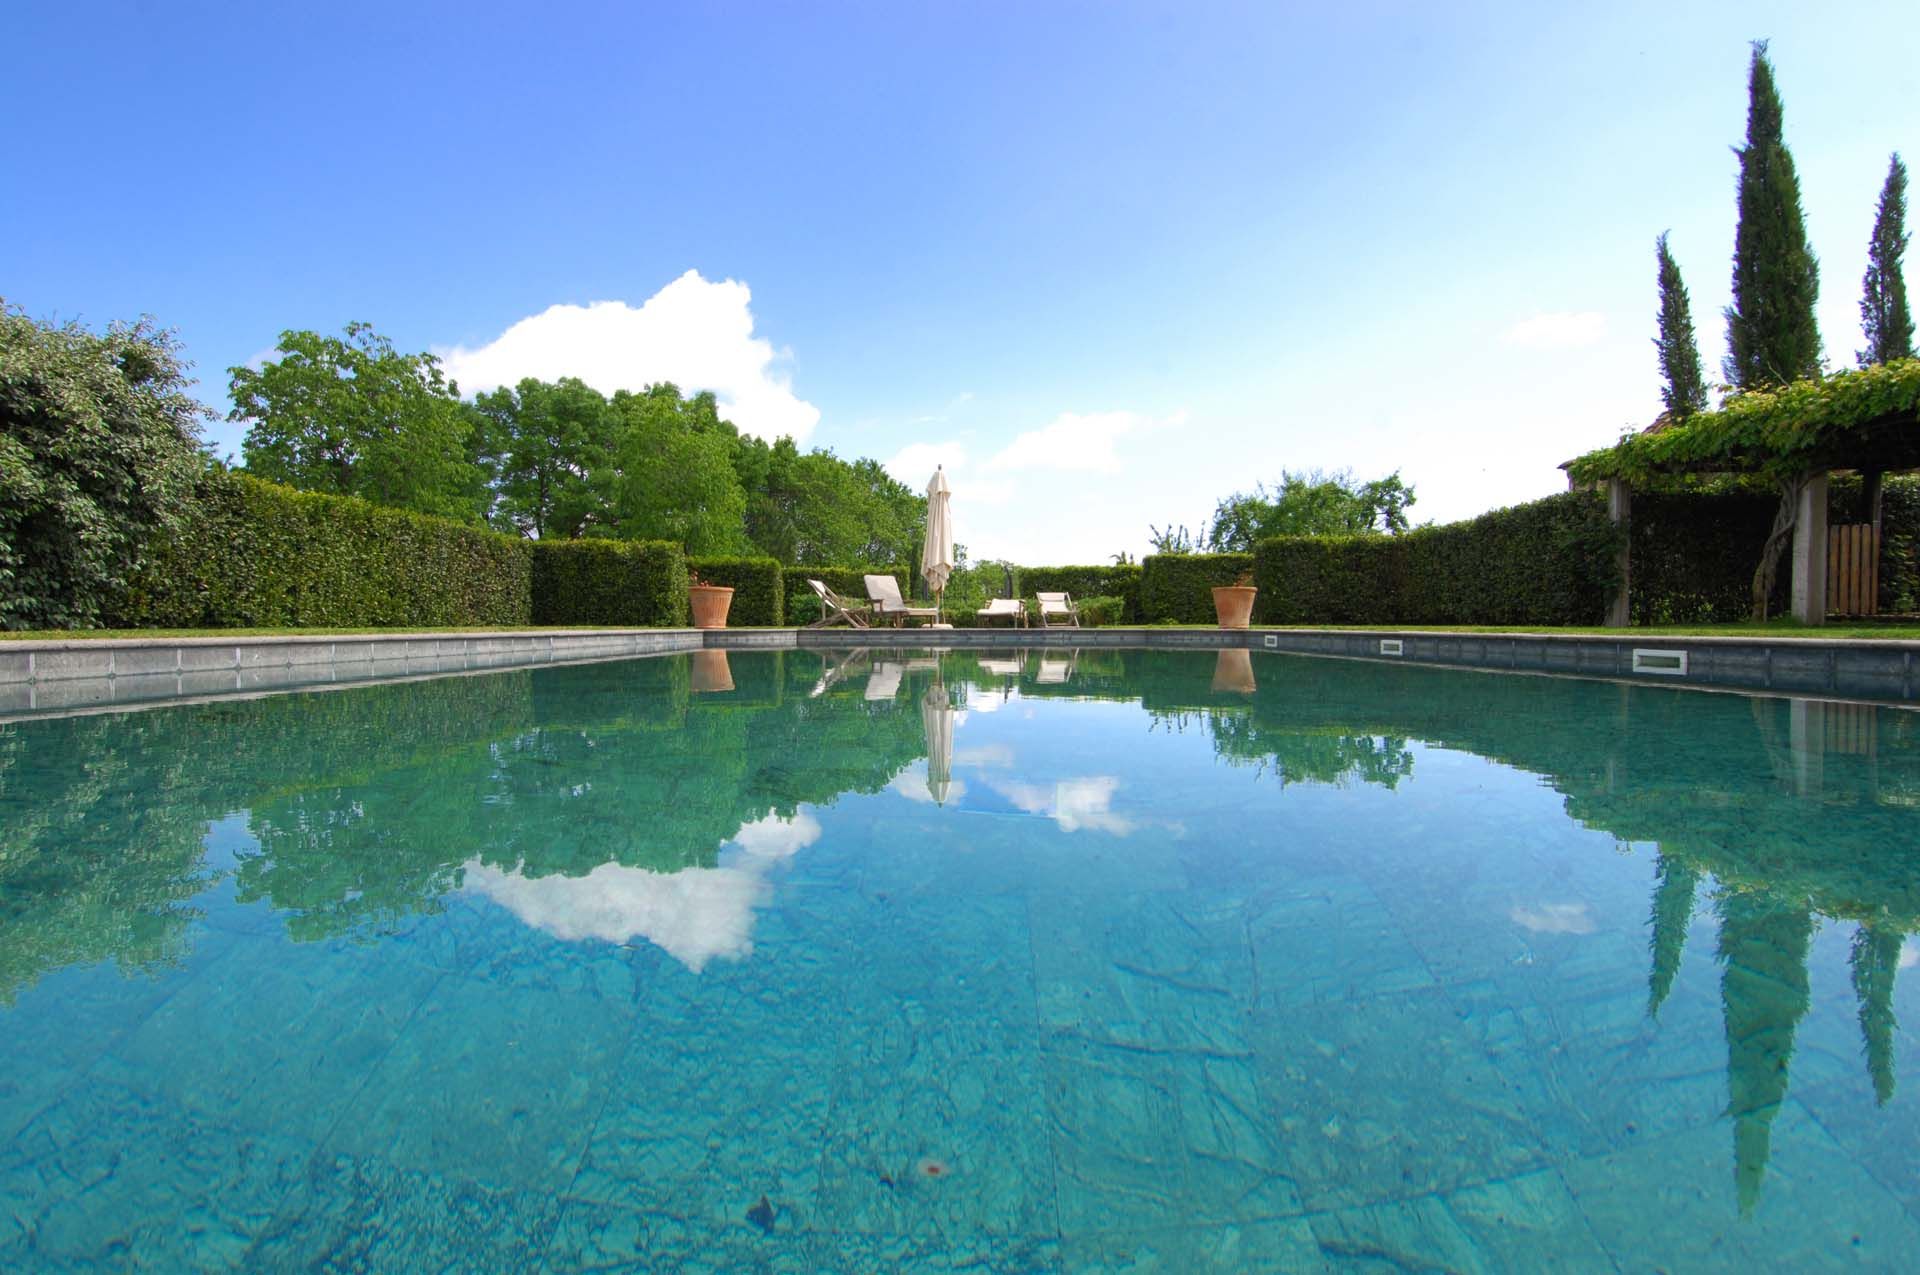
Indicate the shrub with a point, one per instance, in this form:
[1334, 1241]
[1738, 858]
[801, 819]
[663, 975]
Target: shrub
[759, 589]
[1178, 587]
[1547, 562]
[1098, 613]
[637, 583]
[1694, 552]
[1900, 546]
[99, 456]
[1115, 580]
[257, 554]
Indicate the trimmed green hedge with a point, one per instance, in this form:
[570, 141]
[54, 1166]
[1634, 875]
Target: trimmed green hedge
[1177, 588]
[255, 554]
[1547, 562]
[802, 607]
[759, 589]
[634, 583]
[1112, 581]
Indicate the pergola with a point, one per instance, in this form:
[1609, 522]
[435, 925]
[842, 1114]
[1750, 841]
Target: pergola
[1795, 437]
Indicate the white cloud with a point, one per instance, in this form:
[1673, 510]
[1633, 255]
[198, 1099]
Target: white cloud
[987, 755]
[914, 464]
[1072, 803]
[695, 915]
[695, 332]
[1073, 441]
[1554, 918]
[1558, 330]
[777, 838]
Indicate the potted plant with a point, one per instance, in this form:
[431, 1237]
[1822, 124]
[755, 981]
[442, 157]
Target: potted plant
[709, 601]
[1233, 603]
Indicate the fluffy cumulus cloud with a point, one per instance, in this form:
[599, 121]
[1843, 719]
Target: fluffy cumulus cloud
[695, 332]
[1558, 330]
[1073, 442]
[695, 915]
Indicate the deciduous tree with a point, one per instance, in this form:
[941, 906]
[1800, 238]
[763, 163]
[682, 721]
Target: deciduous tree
[99, 449]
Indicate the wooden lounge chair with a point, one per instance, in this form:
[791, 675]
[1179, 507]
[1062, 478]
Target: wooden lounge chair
[1058, 611]
[835, 609]
[884, 593]
[1012, 609]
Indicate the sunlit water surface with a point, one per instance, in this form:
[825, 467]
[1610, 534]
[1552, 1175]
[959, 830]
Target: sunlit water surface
[869, 962]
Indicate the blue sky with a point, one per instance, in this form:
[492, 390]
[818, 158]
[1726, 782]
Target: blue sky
[1109, 262]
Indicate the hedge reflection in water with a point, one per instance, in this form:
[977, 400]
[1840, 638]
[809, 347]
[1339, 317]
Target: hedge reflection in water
[1776, 812]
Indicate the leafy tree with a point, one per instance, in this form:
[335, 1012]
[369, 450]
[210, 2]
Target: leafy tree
[552, 443]
[1172, 539]
[1309, 504]
[99, 449]
[1685, 391]
[1883, 301]
[1772, 337]
[355, 417]
[814, 507]
[675, 478]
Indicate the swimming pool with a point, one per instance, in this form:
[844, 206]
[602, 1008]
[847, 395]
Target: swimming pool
[882, 960]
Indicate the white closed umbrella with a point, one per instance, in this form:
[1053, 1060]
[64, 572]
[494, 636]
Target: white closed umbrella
[936, 551]
[936, 715]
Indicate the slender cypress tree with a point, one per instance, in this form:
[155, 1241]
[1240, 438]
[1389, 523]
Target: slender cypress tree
[1685, 390]
[1672, 913]
[1883, 301]
[1771, 334]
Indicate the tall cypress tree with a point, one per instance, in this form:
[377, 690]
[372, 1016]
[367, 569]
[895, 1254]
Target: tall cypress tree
[1685, 390]
[1883, 301]
[1771, 334]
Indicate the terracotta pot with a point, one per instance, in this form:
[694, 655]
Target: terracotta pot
[710, 672]
[710, 603]
[1233, 671]
[1233, 603]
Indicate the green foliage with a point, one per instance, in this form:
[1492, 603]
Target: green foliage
[1693, 550]
[99, 451]
[1097, 613]
[1548, 562]
[552, 446]
[1309, 504]
[1685, 387]
[637, 584]
[759, 590]
[1769, 432]
[254, 553]
[814, 507]
[1119, 580]
[1772, 338]
[1884, 316]
[677, 480]
[356, 417]
[1178, 588]
[1900, 546]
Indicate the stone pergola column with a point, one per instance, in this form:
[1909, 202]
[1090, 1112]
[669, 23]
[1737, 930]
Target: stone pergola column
[1620, 510]
[1810, 552]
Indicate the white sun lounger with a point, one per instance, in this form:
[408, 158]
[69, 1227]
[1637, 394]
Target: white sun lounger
[1057, 611]
[884, 591]
[1004, 609]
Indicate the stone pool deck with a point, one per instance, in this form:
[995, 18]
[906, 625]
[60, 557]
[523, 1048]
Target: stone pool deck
[77, 675]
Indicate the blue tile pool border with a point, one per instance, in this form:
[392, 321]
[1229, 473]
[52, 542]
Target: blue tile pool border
[38, 677]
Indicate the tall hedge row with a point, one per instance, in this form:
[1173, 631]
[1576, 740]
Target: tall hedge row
[255, 555]
[1115, 580]
[631, 583]
[1547, 562]
[1178, 587]
[759, 589]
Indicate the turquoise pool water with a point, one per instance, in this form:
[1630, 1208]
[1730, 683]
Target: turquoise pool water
[1142, 961]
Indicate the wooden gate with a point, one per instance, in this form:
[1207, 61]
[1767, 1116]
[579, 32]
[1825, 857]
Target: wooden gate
[1853, 569]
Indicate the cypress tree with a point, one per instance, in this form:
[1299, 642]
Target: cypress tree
[1685, 390]
[1883, 301]
[1771, 334]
